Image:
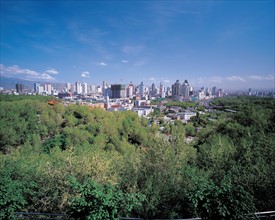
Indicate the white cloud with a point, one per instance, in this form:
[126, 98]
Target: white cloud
[166, 81]
[257, 77]
[124, 61]
[85, 74]
[16, 71]
[215, 79]
[235, 81]
[51, 71]
[200, 80]
[152, 79]
[43, 76]
[102, 64]
[235, 78]
[207, 81]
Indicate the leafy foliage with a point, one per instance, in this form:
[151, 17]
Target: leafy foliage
[220, 200]
[105, 165]
[12, 192]
[95, 201]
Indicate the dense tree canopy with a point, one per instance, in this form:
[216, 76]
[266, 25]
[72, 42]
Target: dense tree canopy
[103, 165]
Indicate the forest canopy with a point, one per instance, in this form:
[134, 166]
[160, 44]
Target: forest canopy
[89, 163]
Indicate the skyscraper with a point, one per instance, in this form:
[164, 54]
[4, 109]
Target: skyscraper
[168, 91]
[141, 89]
[161, 90]
[176, 89]
[84, 88]
[214, 91]
[185, 89]
[35, 87]
[118, 91]
[249, 91]
[38, 88]
[104, 86]
[78, 87]
[19, 88]
[130, 90]
[48, 88]
[93, 88]
[153, 89]
[68, 87]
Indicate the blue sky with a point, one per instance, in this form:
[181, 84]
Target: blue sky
[228, 44]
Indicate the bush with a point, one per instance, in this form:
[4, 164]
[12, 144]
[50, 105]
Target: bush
[95, 201]
[12, 192]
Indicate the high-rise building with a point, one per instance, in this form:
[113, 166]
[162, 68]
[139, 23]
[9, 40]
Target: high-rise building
[19, 88]
[72, 88]
[185, 89]
[208, 92]
[162, 93]
[99, 89]
[249, 91]
[108, 91]
[168, 91]
[48, 88]
[35, 87]
[191, 91]
[153, 89]
[107, 102]
[118, 91]
[176, 89]
[104, 87]
[219, 93]
[78, 88]
[161, 90]
[84, 88]
[130, 90]
[141, 89]
[201, 95]
[38, 88]
[214, 91]
[93, 88]
[68, 87]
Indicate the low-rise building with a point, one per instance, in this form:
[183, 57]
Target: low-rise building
[143, 111]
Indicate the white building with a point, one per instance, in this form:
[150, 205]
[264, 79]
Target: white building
[187, 115]
[143, 111]
[68, 87]
[48, 89]
[93, 88]
[40, 89]
[141, 89]
[185, 89]
[78, 87]
[130, 90]
[84, 88]
[99, 89]
[201, 95]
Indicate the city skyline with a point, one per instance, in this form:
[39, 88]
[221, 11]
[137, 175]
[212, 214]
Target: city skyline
[224, 44]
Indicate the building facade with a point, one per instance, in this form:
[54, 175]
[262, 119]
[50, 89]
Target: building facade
[19, 88]
[118, 91]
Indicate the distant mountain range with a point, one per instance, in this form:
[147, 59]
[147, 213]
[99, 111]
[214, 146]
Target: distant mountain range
[9, 83]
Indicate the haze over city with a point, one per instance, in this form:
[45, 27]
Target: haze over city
[228, 44]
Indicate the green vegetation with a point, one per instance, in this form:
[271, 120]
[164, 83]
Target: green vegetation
[157, 101]
[181, 104]
[95, 164]
[98, 201]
